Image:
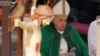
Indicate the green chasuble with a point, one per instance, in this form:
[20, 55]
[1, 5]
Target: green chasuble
[50, 43]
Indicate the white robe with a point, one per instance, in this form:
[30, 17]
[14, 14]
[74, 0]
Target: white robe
[92, 38]
[63, 45]
[31, 35]
[31, 38]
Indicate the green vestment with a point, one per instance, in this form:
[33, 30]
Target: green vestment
[50, 43]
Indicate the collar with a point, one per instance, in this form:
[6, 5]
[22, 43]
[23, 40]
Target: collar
[57, 33]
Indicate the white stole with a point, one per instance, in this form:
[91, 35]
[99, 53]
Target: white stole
[63, 45]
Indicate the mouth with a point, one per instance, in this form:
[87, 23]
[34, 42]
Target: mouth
[63, 27]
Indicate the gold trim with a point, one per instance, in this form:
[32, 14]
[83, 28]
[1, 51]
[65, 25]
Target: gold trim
[59, 45]
[63, 6]
[51, 43]
[76, 44]
[60, 15]
[73, 40]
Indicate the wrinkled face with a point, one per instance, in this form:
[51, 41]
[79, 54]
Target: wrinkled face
[60, 23]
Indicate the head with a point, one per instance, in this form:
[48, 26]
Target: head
[43, 13]
[60, 23]
[61, 9]
[44, 10]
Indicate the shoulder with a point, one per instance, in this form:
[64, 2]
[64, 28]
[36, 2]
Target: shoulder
[93, 23]
[93, 26]
[46, 29]
[74, 32]
[70, 29]
[69, 26]
[92, 30]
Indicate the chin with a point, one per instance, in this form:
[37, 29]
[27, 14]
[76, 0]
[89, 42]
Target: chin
[61, 29]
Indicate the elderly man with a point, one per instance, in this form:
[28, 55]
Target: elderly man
[60, 38]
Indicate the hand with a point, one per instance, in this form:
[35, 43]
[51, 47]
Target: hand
[16, 22]
[71, 54]
[35, 16]
[64, 54]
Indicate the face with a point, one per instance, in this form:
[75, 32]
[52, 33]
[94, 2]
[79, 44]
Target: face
[60, 23]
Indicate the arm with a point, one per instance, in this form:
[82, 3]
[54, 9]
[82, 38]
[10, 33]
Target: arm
[17, 12]
[92, 39]
[19, 9]
[80, 43]
[24, 25]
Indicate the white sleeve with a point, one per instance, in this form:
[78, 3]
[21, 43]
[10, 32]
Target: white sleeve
[92, 38]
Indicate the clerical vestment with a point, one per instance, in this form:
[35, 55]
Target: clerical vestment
[50, 43]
